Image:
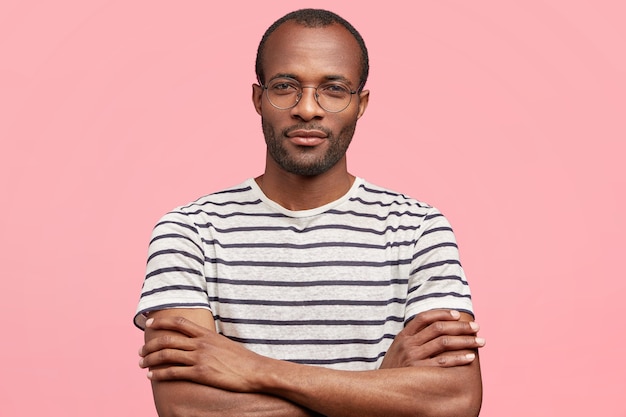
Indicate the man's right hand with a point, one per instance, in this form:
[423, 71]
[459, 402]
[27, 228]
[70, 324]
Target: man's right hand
[443, 338]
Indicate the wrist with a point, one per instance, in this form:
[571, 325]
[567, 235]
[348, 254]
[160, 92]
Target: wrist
[268, 375]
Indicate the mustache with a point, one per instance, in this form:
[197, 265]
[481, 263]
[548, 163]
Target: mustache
[303, 126]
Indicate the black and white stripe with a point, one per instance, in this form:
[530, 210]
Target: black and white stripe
[330, 286]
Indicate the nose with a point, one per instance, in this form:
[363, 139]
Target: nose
[308, 108]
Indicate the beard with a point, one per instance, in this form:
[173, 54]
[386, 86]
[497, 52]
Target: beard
[304, 162]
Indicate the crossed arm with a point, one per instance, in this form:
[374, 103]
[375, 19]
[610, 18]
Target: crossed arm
[431, 369]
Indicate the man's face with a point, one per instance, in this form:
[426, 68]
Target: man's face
[306, 139]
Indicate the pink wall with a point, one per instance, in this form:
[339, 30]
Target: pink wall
[509, 118]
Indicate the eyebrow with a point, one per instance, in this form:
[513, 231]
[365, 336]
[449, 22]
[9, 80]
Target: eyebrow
[327, 78]
[338, 78]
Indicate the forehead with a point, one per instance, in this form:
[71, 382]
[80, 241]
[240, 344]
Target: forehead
[312, 53]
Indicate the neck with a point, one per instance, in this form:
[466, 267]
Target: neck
[297, 192]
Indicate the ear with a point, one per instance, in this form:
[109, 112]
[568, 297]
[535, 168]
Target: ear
[364, 97]
[257, 97]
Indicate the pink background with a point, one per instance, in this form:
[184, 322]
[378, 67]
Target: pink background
[508, 116]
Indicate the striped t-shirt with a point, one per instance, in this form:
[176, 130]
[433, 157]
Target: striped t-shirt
[329, 286]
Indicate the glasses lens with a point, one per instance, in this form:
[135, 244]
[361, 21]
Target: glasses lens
[334, 97]
[283, 93]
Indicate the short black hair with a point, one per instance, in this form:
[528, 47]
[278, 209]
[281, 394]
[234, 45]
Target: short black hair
[313, 18]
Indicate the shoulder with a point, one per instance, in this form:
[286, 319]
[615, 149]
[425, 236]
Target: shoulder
[377, 196]
[235, 195]
[240, 194]
[209, 207]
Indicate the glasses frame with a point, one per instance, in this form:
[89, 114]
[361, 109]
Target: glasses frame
[299, 96]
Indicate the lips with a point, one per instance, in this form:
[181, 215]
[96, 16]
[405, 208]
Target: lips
[307, 137]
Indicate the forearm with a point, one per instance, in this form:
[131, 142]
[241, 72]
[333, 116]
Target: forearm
[407, 387]
[191, 399]
[410, 391]
[184, 398]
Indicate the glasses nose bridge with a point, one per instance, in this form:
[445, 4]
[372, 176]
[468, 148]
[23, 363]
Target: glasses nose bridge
[315, 94]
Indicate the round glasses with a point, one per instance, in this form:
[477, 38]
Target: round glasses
[285, 93]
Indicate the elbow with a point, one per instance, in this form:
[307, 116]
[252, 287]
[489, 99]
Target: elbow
[169, 401]
[464, 404]
[168, 409]
[466, 394]
[172, 409]
[461, 398]
[469, 405]
[455, 407]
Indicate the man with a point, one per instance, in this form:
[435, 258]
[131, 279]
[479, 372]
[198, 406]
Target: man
[307, 291]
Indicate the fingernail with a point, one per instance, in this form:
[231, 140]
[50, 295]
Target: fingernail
[480, 341]
[474, 325]
[149, 322]
[141, 363]
[455, 314]
[470, 356]
[149, 374]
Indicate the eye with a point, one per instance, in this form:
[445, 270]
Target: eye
[283, 87]
[334, 90]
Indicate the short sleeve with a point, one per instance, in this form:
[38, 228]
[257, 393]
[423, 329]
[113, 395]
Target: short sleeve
[437, 279]
[175, 268]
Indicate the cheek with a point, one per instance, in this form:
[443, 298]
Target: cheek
[273, 116]
[347, 121]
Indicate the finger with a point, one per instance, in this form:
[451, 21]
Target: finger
[459, 358]
[452, 328]
[204, 375]
[166, 357]
[426, 318]
[447, 343]
[177, 324]
[170, 373]
[442, 328]
[168, 341]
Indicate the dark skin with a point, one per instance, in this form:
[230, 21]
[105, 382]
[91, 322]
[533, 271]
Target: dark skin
[431, 368]
[312, 57]
[434, 353]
